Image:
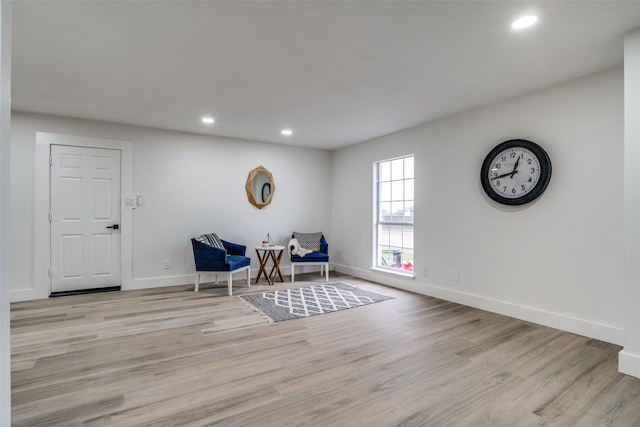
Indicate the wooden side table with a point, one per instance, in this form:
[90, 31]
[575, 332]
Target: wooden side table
[264, 254]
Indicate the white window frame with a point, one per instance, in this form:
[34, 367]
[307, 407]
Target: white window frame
[378, 221]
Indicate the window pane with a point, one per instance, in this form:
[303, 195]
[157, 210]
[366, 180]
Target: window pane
[385, 212]
[389, 257]
[383, 235]
[407, 238]
[384, 171]
[408, 212]
[397, 190]
[385, 192]
[397, 211]
[397, 169]
[408, 189]
[392, 257]
[395, 236]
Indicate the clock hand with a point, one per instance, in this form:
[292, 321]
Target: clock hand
[515, 167]
[503, 175]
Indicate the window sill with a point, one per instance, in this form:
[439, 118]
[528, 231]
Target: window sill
[393, 272]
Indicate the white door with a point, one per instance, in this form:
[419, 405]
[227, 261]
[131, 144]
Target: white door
[85, 218]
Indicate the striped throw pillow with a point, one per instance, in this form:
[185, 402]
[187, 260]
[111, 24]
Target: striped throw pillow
[211, 239]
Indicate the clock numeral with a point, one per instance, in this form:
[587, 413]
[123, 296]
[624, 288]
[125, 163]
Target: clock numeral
[528, 161]
[504, 158]
[513, 191]
[497, 165]
[504, 188]
[522, 187]
[498, 183]
[533, 170]
[529, 180]
[512, 154]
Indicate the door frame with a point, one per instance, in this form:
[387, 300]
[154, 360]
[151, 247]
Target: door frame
[42, 226]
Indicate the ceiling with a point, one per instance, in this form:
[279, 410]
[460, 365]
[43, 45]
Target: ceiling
[335, 72]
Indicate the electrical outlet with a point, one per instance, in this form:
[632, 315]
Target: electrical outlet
[456, 275]
[167, 264]
[425, 271]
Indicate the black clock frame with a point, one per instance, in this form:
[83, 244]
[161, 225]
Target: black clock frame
[266, 191]
[538, 189]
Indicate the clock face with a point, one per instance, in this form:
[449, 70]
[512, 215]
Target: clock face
[511, 179]
[516, 172]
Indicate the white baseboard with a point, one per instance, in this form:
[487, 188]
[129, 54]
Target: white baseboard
[160, 282]
[17, 295]
[629, 363]
[587, 328]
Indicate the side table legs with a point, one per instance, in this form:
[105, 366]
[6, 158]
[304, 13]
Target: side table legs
[264, 254]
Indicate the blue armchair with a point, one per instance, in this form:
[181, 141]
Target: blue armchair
[228, 259]
[317, 252]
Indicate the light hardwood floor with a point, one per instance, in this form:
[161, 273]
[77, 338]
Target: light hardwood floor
[171, 357]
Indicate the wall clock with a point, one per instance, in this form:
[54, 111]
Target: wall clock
[266, 191]
[515, 172]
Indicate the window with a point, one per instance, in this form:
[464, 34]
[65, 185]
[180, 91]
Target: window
[394, 214]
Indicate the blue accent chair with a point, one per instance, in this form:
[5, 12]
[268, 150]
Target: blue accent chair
[231, 259]
[314, 258]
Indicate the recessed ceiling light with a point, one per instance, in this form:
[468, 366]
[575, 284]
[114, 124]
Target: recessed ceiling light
[286, 132]
[524, 22]
[208, 120]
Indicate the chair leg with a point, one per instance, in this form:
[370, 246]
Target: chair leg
[216, 278]
[326, 268]
[293, 272]
[248, 277]
[197, 282]
[230, 281]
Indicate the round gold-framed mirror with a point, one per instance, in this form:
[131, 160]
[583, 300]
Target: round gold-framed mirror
[260, 187]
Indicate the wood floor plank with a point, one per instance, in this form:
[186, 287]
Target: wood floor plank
[623, 402]
[173, 357]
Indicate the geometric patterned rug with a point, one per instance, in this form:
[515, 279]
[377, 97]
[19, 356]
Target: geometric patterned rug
[308, 301]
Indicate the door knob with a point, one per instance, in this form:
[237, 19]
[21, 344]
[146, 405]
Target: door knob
[114, 226]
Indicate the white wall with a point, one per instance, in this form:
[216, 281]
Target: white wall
[192, 184]
[5, 278]
[629, 361]
[557, 261]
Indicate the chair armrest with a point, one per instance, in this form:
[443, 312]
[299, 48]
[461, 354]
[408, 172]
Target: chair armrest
[324, 246]
[207, 257]
[234, 248]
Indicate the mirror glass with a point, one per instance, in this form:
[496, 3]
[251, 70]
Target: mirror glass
[260, 187]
